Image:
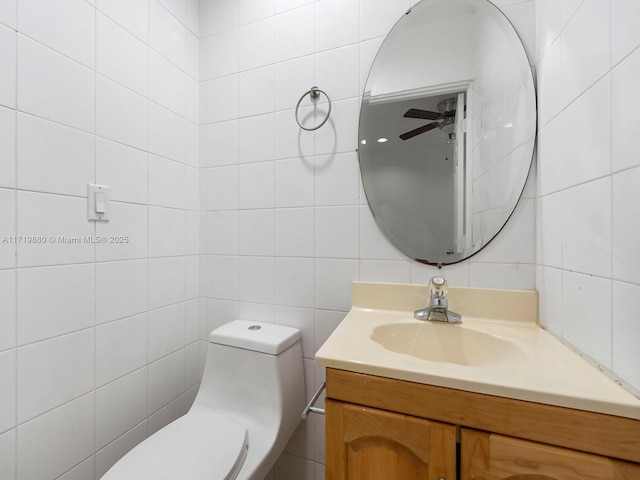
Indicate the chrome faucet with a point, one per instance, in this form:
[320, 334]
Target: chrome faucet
[438, 308]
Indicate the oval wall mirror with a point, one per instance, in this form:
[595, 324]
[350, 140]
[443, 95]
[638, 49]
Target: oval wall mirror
[447, 129]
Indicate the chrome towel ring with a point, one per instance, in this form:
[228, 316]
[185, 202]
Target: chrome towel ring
[314, 93]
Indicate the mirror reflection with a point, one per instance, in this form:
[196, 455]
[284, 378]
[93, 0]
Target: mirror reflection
[447, 127]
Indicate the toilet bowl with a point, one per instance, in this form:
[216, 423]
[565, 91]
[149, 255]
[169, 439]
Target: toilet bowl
[247, 408]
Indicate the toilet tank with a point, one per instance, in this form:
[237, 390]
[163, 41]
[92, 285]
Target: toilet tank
[254, 372]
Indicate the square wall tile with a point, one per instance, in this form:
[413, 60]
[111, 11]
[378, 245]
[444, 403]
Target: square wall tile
[59, 440]
[7, 228]
[61, 224]
[7, 147]
[133, 15]
[256, 44]
[54, 300]
[222, 145]
[8, 13]
[586, 136]
[7, 309]
[166, 232]
[626, 232]
[121, 348]
[222, 275]
[294, 282]
[625, 102]
[256, 232]
[54, 86]
[8, 65]
[166, 281]
[254, 10]
[53, 372]
[221, 54]
[337, 179]
[256, 276]
[120, 55]
[7, 393]
[337, 24]
[127, 225]
[256, 185]
[222, 99]
[221, 16]
[165, 380]
[122, 168]
[53, 158]
[167, 182]
[586, 315]
[256, 93]
[294, 232]
[377, 17]
[585, 51]
[67, 26]
[161, 121]
[166, 331]
[167, 35]
[223, 233]
[167, 84]
[121, 289]
[626, 332]
[255, 138]
[8, 455]
[294, 183]
[121, 114]
[505, 276]
[586, 228]
[625, 36]
[337, 232]
[222, 188]
[333, 279]
[120, 406]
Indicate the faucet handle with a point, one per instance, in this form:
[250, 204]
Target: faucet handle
[437, 287]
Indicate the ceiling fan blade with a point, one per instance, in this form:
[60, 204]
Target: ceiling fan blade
[424, 114]
[418, 131]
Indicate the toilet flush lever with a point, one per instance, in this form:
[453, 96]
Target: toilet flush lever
[310, 408]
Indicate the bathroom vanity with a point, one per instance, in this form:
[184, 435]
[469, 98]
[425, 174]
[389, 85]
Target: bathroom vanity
[507, 401]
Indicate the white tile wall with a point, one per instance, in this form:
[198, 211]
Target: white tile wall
[83, 98]
[55, 87]
[8, 61]
[53, 158]
[587, 92]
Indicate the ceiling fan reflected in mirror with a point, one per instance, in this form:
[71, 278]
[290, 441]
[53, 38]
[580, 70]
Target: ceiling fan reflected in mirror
[445, 116]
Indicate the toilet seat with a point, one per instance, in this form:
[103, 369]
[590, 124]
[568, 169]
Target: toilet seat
[198, 446]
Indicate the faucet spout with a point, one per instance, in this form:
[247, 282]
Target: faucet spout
[438, 308]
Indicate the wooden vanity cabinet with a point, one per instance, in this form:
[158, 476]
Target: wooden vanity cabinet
[488, 456]
[381, 428]
[371, 444]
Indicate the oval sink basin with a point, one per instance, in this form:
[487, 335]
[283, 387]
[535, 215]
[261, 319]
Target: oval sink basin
[441, 342]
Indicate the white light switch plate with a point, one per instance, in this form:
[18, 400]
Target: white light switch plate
[98, 202]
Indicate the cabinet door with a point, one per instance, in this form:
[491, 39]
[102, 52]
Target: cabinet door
[369, 444]
[488, 456]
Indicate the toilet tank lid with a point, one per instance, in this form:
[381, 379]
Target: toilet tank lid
[258, 336]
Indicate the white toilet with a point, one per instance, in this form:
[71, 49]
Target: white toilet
[247, 408]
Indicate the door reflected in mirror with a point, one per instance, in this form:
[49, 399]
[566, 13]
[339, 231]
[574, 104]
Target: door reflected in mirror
[447, 129]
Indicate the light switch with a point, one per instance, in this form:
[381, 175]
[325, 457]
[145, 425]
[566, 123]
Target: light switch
[98, 202]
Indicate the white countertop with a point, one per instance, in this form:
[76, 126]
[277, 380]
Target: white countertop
[546, 370]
